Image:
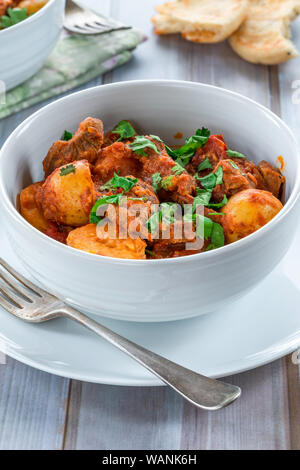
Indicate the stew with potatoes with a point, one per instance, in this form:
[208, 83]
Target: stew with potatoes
[127, 194]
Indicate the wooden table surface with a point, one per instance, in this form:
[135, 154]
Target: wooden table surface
[43, 411]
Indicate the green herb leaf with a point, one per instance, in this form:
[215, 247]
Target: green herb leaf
[67, 135]
[126, 183]
[155, 137]
[167, 182]
[234, 154]
[177, 169]
[114, 199]
[187, 151]
[218, 204]
[233, 165]
[66, 170]
[204, 227]
[153, 222]
[156, 181]
[204, 165]
[140, 143]
[208, 181]
[14, 16]
[217, 237]
[124, 129]
[219, 175]
[202, 198]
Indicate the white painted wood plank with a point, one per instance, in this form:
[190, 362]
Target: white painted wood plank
[109, 417]
[32, 408]
[258, 420]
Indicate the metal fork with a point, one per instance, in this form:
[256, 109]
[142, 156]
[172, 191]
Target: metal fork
[29, 302]
[81, 21]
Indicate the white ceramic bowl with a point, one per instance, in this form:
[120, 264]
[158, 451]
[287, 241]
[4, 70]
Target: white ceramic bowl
[151, 290]
[25, 46]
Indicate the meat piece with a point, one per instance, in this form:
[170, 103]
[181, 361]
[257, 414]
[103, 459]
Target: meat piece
[273, 179]
[57, 232]
[86, 239]
[214, 149]
[67, 196]
[143, 190]
[181, 239]
[84, 145]
[233, 181]
[116, 158]
[180, 188]
[119, 158]
[251, 171]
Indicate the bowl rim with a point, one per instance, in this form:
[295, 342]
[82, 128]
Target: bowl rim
[209, 255]
[29, 19]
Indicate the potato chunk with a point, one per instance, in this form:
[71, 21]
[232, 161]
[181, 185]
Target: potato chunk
[85, 239]
[247, 211]
[68, 195]
[29, 208]
[32, 6]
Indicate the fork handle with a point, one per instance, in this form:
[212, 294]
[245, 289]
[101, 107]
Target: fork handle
[202, 391]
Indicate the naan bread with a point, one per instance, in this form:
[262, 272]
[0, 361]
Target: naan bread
[203, 21]
[264, 37]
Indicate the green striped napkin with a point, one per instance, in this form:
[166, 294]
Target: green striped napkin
[75, 60]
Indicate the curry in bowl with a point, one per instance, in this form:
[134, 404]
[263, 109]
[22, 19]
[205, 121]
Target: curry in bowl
[128, 195]
[15, 11]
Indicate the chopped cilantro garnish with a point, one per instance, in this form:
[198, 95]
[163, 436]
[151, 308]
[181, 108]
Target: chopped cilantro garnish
[155, 137]
[154, 221]
[219, 175]
[204, 227]
[177, 169]
[13, 16]
[234, 154]
[67, 135]
[217, 205]
[202, 198]
[66, 170]
[211, 180]
[204, 165]
[217, 237]
[208, 181]
[165, 213]
[140, 143]
[187, 151]
[156, 181]
[124, 129]
[113, 199]
[166, 183]
[126, 183]
[233, 165]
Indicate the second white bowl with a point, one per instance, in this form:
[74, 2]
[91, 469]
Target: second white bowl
[25, 46]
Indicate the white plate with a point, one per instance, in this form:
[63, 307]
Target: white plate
[260, 328]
